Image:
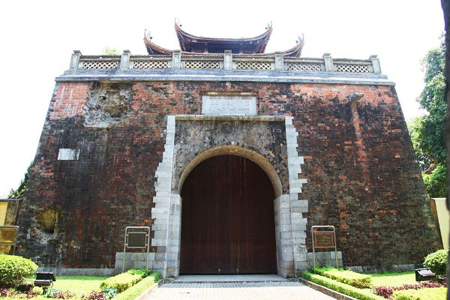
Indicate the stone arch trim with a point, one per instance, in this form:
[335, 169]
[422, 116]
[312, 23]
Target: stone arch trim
[250, 154]
[290, 211]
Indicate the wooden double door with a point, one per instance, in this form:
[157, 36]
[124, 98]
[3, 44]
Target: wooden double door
[227, 219]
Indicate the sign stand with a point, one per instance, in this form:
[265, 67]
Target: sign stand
[136, 237]
[324, 237]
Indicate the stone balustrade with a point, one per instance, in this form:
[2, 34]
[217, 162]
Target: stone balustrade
[225, 61]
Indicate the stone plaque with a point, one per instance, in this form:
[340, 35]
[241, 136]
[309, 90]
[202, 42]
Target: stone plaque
[229, 105]
[323, 239]
[137, 240]
[68, 154]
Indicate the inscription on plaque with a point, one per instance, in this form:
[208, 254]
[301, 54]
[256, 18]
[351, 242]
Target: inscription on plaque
[229, 105]
[137, 240]
[323, 239]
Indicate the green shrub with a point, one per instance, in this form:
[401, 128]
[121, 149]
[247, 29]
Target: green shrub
[346, 276]
[343, 288]
[422, 294]
[141, 272]
[437, 261]
[38, 290]
[136, 290]
[120, 282]
[13, 269]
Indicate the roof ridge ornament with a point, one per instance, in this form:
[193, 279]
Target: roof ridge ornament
[148, 34]
[269, 25]
[300, 39]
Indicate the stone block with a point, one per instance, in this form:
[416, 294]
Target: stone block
[174, 243]
[333, 255]
[173, 249]
[140, 264]
[160, 234]
[172, 264]
[159, 227]
[172, 272]
[158, 264]
[160, 256]
[172, 256]
[287, 256]
[299, 227]
[119, 255]
[159, 242]
[302, 265]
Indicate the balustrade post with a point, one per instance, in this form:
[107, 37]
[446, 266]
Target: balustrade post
[279, 62]
[228, 60]
[75, 60]
[176, 59]
[375, 64]
[125, 60]
[328, 62]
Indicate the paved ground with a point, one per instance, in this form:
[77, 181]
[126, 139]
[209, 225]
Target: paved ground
[229, 278]
[237, 290]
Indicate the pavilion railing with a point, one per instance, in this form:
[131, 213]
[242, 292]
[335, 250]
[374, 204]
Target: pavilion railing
[225, 61]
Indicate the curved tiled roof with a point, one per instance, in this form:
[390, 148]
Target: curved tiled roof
[253, 46]
[256, 44]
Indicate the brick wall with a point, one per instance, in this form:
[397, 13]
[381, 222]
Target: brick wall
[361, 170]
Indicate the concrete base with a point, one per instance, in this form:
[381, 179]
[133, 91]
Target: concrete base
[372, 269]
[230, 278]
[81, 271]
[325, 259]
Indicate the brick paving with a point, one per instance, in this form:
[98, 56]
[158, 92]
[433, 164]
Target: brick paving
[237, 290]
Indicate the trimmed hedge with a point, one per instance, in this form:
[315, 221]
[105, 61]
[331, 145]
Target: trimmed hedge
[120, 282]
[422, 294]
[141, 272]
[346, 276]
[343, 288]
[139, 288]
[13, 269]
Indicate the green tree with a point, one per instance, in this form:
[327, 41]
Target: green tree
[111, 51]
[428, 131]
[20, 191]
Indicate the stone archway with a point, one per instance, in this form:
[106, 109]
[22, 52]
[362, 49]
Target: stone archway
[228, 224]
[268, 141]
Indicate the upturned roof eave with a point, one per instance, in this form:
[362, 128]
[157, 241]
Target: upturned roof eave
[154, 49]
[259, 41]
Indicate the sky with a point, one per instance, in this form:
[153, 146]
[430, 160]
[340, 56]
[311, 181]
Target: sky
[38, 38]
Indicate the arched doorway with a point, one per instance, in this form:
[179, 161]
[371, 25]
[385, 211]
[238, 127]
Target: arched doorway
[227, 218]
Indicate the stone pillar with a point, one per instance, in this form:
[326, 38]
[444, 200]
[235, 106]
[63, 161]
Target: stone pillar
[125, 60]
[165, 205]
[375, 64]
[75, 60]
[298, 208]
[283, 230]
[228, 60]
[279, 62]
[176, 59]
[328, 62]
[174, 237]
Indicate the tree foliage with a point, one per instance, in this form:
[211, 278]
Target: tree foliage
[111, 51]
[428, 131]
[20, 191]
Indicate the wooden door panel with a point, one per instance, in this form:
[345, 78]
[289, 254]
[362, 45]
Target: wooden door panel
[227, 218]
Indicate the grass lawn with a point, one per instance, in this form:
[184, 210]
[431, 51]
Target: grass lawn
[393, 279]
[78, 285]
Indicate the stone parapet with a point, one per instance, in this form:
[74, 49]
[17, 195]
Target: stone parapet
[224, 61]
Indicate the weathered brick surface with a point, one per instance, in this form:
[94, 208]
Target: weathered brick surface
[361, 171]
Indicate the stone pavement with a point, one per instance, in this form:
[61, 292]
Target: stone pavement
[229, 278]
[270, 290]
